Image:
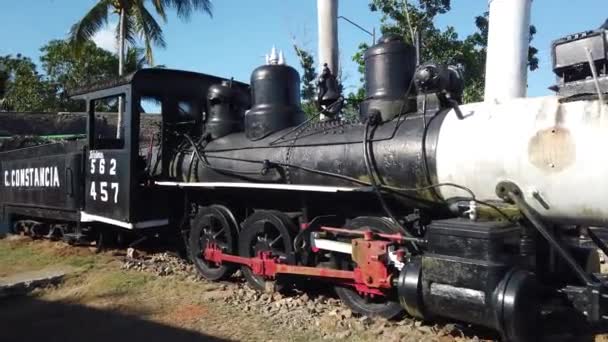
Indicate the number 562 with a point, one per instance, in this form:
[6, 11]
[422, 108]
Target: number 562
[101, 166]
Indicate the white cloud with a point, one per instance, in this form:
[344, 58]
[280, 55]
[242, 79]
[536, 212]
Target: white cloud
[106, 38]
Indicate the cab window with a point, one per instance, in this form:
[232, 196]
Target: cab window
[108, 129]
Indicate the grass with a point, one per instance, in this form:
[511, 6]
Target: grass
[85, 262]
[117, 283]
[26, 255]
[16, 256]
[101, 283]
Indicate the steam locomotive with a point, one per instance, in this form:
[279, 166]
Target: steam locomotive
[485, 213]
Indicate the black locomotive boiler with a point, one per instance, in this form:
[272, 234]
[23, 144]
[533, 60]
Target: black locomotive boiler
[485, 213]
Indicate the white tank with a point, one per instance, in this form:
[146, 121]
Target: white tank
[555, 152]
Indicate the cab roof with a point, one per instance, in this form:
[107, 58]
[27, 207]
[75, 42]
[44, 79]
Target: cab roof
[158, 80]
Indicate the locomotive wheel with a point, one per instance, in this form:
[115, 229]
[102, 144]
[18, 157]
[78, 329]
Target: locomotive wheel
[386, 307]
[39, 230]
[213, 224]
[266, 231]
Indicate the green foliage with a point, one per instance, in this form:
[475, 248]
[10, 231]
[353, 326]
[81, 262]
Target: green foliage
[23, 88]
[310, 109]
[308, 85]
[63, 66]
[309, 74]
[409, 19]
[68, 70]
[354, 99]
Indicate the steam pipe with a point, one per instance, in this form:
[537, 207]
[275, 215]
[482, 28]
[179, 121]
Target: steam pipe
[507, 56]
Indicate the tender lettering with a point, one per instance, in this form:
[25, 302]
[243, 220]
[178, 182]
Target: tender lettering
[36, 178]
[46, 176]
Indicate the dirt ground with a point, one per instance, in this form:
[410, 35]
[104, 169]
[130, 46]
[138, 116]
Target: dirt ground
[157, 298]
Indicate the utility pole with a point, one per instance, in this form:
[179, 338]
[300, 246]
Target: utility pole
[327, 12]
[508, 43]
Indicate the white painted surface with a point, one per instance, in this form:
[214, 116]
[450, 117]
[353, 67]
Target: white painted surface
[394, 259]
[268, 186]
[331, 245]
[495, 143]
[86, 217]
[459, 293]
[327, 12]
[507, 56]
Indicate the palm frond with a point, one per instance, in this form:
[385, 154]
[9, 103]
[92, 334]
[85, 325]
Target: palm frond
[149, 30]
[159, 6]
[91, 23]
[203, 5]
[130, 29]
[136, 59]
[184, 8]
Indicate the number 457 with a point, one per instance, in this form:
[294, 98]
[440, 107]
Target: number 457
[103, 191]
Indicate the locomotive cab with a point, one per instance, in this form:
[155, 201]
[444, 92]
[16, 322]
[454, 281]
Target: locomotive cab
[119, 166]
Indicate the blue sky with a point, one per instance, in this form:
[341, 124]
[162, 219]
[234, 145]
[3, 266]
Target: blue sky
[234, 41]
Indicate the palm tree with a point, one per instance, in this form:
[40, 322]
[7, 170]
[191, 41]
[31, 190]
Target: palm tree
[134, 21]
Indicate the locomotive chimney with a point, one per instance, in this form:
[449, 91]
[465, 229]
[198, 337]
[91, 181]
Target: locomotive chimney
[327, 12]
[507, 53]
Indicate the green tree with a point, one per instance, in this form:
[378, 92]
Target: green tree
[354, 99]
[23, 88]
[409, 19]
[308, 80]
[68, 70]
